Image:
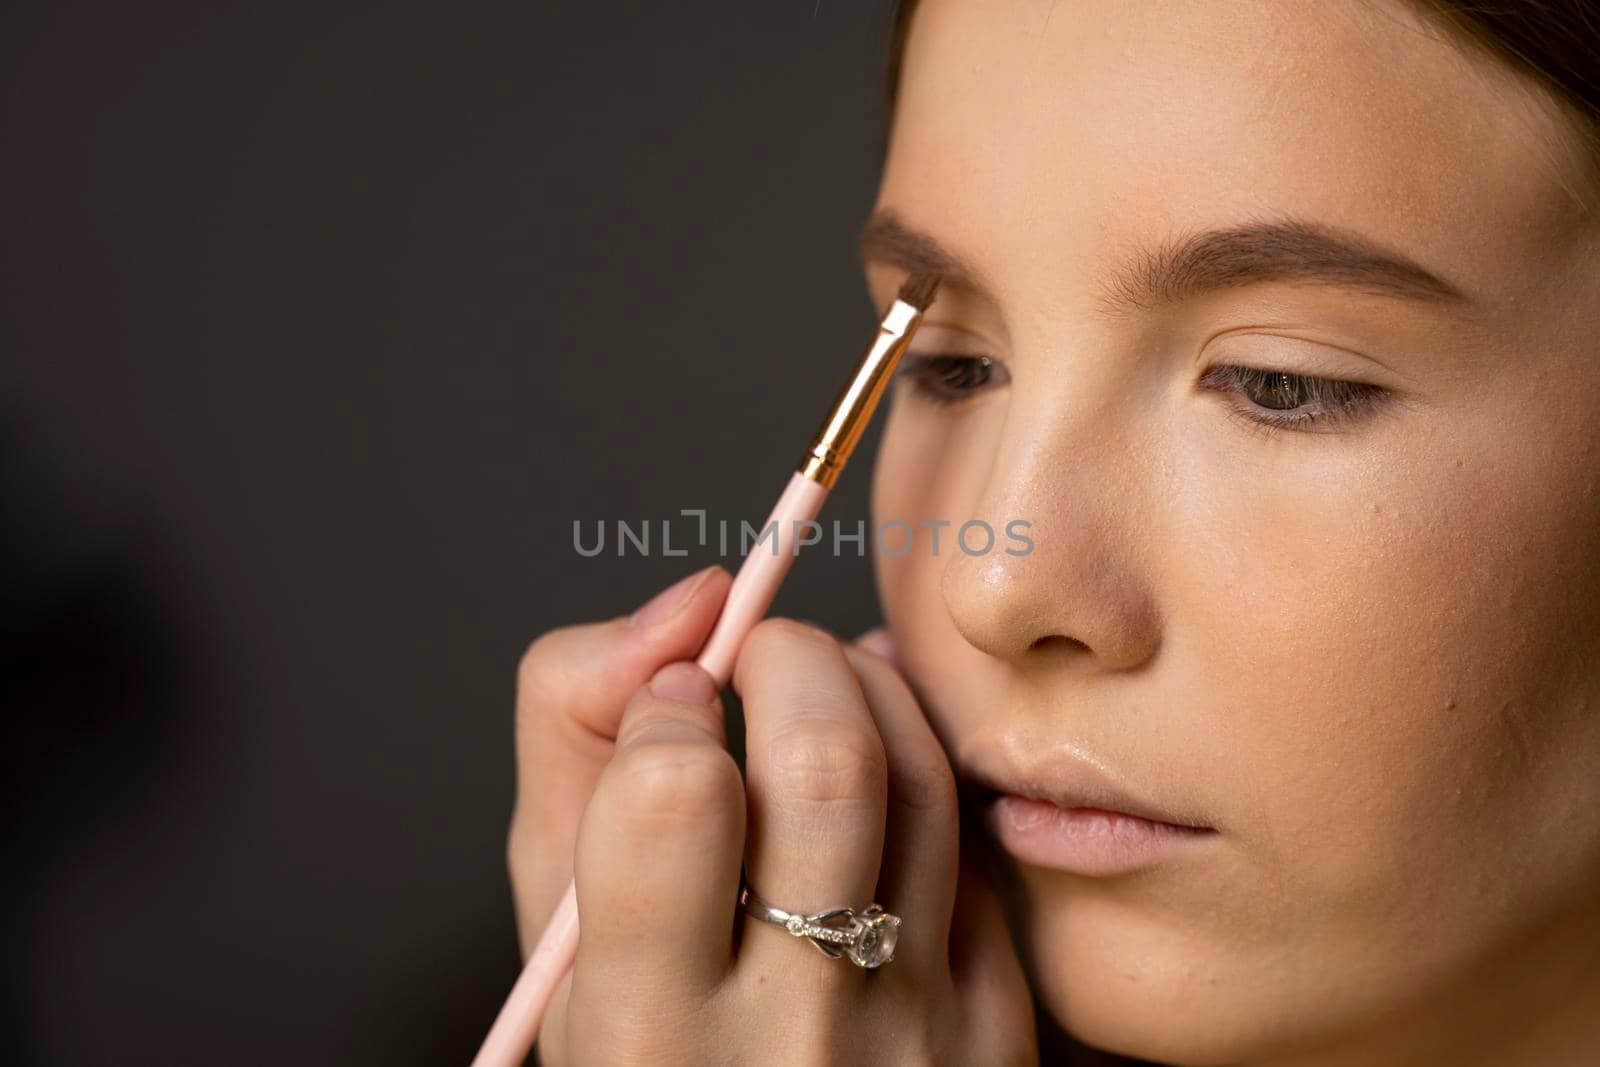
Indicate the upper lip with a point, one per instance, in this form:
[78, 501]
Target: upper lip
[1066, 778]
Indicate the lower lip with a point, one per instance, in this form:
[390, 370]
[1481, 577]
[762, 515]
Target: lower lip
[1087, 841]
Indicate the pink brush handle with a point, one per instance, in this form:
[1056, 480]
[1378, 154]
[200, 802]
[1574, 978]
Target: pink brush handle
[517, 1026]
[759, 577]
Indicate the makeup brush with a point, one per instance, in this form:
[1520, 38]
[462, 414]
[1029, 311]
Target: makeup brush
[752, 592]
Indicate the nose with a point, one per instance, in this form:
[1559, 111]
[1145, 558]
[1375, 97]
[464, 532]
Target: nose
[1077, 471]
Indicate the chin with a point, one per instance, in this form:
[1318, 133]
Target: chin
[1145, 989]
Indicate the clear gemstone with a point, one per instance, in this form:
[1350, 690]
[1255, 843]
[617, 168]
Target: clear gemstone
[875, 946]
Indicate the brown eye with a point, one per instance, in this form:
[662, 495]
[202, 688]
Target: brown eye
[948, 379]
[1278, 390]
[1282, 400]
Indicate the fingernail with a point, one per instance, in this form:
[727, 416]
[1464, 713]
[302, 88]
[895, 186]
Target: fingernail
[665, 603]
[878, 643]
[685, 682]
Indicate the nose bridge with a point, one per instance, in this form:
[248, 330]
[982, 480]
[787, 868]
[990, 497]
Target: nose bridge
[1072, 461]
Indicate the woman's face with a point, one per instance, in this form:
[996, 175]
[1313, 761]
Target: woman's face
[1360, 647]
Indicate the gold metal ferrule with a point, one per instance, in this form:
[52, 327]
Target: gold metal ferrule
[852, 410]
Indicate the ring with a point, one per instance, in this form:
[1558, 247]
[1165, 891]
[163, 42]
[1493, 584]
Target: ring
[868, 937]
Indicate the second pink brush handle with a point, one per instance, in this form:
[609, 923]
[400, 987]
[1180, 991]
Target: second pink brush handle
[517, 1026]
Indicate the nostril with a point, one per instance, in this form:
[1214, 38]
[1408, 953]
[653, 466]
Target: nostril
[1058, 643]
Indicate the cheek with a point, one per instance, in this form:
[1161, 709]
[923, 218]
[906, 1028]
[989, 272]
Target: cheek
[930, 467]
[1393, 650]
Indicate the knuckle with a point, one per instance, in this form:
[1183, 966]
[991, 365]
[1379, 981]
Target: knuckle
[543, 672]
[556, 690]
[825, 763]
[675, 781]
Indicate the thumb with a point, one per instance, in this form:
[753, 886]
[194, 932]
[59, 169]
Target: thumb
[572, 686]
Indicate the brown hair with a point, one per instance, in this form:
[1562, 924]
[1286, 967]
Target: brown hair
[1554, 42]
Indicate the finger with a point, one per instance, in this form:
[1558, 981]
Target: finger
[921, 834]
[660, 845]
[984, 963]
[991, 986]
[572, 685]
[817, 780]
[878, 642]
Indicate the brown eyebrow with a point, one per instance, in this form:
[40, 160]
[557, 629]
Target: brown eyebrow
[1290, 250]
[887, 238]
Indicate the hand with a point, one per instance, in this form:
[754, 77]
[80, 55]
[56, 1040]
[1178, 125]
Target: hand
[849, 800]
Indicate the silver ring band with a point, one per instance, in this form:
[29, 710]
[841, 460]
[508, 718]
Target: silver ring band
[867, 937]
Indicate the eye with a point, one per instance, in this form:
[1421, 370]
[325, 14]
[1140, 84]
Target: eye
[1285, 401]
[950, 379]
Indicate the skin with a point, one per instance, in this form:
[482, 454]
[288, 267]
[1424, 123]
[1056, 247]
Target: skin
[625, 783]
[1361, 652]
[1363, 655]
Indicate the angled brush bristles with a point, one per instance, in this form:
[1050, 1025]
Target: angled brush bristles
[918, 290]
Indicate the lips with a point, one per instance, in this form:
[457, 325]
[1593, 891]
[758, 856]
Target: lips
[1064, 812]
[1066, 781]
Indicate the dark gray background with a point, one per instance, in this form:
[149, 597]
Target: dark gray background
[321, 324]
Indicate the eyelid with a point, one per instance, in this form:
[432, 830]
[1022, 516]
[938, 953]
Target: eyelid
[1286, 347]
[936, 332]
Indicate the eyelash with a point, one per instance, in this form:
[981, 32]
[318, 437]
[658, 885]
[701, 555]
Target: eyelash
[1326, 402]
[946, 380]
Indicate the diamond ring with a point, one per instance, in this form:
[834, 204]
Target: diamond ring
[868, 937]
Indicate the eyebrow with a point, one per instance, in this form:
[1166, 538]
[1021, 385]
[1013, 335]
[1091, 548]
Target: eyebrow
[1289, 250]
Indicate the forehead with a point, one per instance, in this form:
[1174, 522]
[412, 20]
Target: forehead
[1034, 126]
